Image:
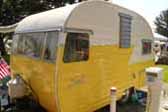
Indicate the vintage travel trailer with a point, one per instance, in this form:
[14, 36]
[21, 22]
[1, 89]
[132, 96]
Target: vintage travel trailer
[160, 48]
[71, 56]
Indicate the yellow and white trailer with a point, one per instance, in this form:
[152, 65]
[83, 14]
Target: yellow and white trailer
[71, 56]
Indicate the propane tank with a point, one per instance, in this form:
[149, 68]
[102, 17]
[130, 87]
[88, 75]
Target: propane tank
[17, 88]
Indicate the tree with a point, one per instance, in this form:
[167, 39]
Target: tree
[2, 46]
[12, 11]
[161, 23]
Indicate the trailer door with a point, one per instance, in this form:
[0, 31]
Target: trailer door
[74, 76]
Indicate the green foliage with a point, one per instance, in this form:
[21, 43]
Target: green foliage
[161, 23]
[2, 46]
[165, 72]
[12, 11]
[7, 58]
[5, 80]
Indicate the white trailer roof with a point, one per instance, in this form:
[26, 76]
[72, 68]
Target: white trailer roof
[94, 15]
[51, 20]
[8, 29]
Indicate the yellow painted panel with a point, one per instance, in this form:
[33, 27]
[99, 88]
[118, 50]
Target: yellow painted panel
[138, 72]
[41, 77]
[82, 86]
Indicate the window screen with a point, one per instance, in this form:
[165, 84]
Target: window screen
[50, 46]
[125, 30]
[76, 47]
[146, 46]
[20, 46]
[15, 43]
[33, 44]
[30, 44]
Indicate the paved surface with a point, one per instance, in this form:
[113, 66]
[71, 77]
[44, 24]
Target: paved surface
[164, 99]
[164, 105]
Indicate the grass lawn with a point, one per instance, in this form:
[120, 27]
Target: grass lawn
[165, 72]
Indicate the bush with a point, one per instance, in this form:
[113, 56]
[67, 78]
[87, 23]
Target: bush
[7, 58]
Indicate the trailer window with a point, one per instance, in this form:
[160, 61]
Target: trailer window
[146, 46]
[125, 30]
[76, 47]
[33, 44]
[50, 46]
[18, 44]
[15, 43]
[30, 44]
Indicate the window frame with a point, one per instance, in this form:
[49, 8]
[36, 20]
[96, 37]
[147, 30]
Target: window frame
[66, 37]
[14, 51]
[142, 43]
[44, 47]
[125, 30]
[24, 55]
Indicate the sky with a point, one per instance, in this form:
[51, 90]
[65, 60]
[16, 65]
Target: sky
[149, 9]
